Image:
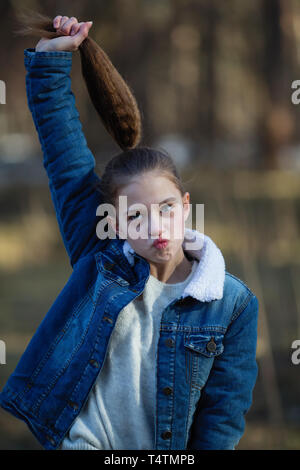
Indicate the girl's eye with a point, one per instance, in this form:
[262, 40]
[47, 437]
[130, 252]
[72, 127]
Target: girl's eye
[168, 207]
[134, 216]
[165, 208]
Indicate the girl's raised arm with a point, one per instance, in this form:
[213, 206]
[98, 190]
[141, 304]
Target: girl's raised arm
[67, 159]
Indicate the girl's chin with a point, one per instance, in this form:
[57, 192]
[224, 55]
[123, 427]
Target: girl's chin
[162, 254]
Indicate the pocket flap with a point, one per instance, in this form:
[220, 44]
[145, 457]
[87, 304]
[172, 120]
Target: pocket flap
[206, 344]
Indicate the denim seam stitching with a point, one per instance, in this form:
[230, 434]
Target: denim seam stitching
[59, 336]
[84, 372]
[243, 306]
[46, 155]
[239, 281]
[29, 81]
[189, 385]
[58, 375]
[172, 409]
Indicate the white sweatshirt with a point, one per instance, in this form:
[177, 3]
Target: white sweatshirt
[120, 410]
[119, 413]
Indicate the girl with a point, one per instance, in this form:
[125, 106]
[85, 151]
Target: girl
[151, 344]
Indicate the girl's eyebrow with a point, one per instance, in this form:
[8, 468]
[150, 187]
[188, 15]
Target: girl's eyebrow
[169, 199]
[165, 200]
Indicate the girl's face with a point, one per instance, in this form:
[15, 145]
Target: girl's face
[152, 207]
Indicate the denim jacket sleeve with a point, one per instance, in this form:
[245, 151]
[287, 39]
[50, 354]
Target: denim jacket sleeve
[219, 421]
[67, 159]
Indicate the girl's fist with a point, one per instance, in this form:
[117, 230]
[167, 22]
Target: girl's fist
[72, 34]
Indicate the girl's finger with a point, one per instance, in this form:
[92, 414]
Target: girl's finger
[83, 32]
[66, 28]
[62, 22]
[56, 21]
[75, 28]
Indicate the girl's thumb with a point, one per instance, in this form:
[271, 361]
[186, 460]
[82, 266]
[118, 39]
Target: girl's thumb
[89, 24]
[83, 31]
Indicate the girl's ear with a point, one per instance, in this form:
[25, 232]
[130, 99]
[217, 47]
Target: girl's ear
[186, 205]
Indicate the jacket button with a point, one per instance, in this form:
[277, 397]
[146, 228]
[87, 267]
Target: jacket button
[211, 345]
[73, 405]
[166, 435]
[169, 342]
[108, 265]
[50, 439]
[108, 319]
[167, 390]
[94, 363]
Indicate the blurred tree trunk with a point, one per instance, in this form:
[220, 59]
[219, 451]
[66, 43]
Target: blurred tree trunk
[209, 51]
[276, 125]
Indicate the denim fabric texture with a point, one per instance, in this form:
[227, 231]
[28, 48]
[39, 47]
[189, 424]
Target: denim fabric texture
[206, 359]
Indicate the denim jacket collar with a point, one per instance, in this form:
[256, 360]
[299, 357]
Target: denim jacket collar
[207, 282]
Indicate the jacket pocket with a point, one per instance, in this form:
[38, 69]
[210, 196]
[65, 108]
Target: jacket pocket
[200, 352]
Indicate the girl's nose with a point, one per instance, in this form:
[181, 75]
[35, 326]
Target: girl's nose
[155, 228]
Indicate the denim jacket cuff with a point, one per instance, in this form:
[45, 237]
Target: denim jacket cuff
[44, 58]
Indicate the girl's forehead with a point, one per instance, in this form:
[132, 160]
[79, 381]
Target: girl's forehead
[147, 198]
[150, 187]
[142, 192]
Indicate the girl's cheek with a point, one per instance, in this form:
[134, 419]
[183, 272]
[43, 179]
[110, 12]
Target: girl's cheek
[140, 230]
[176, 222]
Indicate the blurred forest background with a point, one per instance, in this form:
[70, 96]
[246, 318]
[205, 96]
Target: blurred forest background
[213, 81]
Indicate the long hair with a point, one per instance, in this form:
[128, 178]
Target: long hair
[111, 96]
[117, 108]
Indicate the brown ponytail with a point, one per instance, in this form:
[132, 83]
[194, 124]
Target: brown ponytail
[118, 111]
[110, 95]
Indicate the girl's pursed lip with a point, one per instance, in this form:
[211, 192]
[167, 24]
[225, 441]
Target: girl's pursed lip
[160, 240]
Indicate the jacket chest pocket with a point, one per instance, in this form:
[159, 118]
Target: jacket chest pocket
[200, 351]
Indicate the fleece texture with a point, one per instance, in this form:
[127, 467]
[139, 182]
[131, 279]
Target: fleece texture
[208, 281]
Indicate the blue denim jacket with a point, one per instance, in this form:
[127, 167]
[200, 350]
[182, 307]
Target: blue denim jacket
[210, 397]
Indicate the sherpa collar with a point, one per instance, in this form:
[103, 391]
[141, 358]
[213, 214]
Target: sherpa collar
[207, 282]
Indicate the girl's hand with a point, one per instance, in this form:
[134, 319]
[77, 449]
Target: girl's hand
[72, 35]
